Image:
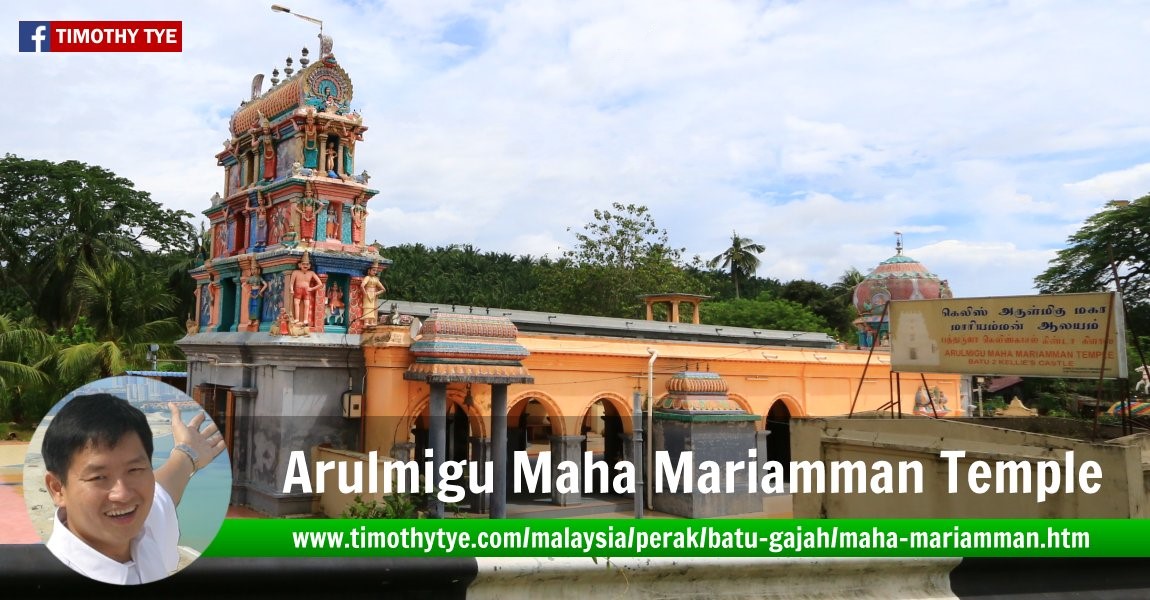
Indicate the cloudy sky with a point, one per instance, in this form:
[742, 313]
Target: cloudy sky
[986, 132]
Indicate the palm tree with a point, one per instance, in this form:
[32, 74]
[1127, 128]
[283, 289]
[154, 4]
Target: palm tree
[844, 288]
[739, 258]
[24, 350]
[127, 310]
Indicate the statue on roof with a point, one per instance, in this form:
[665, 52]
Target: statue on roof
[262, 139]
[310, 143]
[257, 85]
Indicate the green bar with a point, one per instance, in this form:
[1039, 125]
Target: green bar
[682, 538]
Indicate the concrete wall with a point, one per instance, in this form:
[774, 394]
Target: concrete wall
[288, 396]
[332, 502]
[708, 440]
[705, 578]
[1123, 492]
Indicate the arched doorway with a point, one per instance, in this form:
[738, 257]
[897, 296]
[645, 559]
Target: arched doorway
[779, 440]
[602, 429]
[530, 426]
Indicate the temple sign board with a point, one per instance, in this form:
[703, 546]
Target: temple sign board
[1055, 335]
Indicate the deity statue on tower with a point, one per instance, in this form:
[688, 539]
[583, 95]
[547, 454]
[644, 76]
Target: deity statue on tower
[372, 289]
[256, 288]
[304, 283]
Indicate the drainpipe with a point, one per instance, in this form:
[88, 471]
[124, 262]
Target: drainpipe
[650, 478]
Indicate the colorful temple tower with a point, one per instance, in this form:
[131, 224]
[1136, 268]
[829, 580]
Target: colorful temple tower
[287, 236]
[274, 352]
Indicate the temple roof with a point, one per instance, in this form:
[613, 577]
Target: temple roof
[468, 348]
[899, 277]
[698, 393]
[322, 85]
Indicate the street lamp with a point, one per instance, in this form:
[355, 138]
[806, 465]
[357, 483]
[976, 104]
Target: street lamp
[284, 9]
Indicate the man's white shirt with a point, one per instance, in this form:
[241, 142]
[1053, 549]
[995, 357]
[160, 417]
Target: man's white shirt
[154, 551]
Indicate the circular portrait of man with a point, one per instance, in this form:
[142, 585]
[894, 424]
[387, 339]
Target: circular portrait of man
[127, 480]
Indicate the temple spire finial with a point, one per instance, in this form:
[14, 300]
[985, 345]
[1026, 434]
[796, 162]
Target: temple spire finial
[898, 243]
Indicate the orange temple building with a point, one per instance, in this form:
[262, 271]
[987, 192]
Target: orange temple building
[293, 346]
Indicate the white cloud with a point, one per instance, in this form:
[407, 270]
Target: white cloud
[1124, 184]
[986, 132]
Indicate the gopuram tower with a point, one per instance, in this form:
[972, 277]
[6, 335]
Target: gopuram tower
[291, 202]
[289, 284]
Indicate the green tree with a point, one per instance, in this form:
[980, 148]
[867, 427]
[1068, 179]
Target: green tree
[844, 288]
[739, 258]
[617, 257]
[24, 350]
[1119, 232]
[822, 301]
[91, 272]
[126, 314]
[461, 275]
[763, 312]
[59, 216]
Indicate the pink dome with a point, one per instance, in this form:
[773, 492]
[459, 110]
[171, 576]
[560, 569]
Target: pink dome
[897, 278]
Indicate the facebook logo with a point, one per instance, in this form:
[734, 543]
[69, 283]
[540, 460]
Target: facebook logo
[34, 36]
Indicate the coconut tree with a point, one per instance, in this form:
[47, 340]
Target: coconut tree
[739, 258]
[24, 350]
[125, 311]
[844, 287]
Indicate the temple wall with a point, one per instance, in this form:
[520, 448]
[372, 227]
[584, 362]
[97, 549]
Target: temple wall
[1123, 492]
[573, 372]
[288, 396]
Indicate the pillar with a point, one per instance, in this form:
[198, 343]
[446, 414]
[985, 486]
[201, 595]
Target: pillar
[674, 311]
[480, 453]
[239, 429]
[402, 451]
[499, 450]
[437, 438]
[566, 447]
[650, 312]
[695, 315]
[317, 309]
[238, 303]
[761, 447]
[635, 449]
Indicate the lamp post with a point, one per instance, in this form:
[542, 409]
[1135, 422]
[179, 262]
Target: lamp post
[284, 9]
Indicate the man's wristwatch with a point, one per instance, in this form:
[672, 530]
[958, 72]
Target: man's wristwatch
[192, 455]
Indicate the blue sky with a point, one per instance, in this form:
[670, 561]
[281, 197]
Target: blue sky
[984, 131]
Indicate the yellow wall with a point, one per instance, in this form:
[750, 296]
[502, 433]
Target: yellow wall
[572, 372]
